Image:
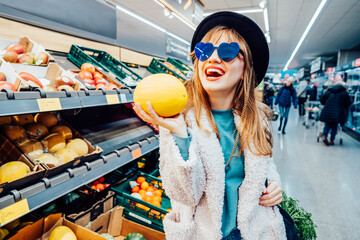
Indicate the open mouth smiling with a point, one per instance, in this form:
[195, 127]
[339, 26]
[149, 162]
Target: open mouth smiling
[214, 72]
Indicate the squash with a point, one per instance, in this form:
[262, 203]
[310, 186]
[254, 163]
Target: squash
[135, 236]
[166, 94]
[62, 233]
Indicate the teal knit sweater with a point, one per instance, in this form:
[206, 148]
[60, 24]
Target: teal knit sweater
[235, 171]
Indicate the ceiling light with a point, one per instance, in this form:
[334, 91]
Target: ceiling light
[266, 19]
[124, 10]
[313, 19]
[166, 12]
[263, 3]
[181, 19]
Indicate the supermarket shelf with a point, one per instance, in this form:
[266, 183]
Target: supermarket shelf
[49, 189]
[14, 103]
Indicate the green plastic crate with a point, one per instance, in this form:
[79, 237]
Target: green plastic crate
[145, 213]
[80, 55]
[179, 65]
[157, 66]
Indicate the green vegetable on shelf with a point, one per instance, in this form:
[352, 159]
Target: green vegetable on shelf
[304, 225]
[135, 236]
[107, 236]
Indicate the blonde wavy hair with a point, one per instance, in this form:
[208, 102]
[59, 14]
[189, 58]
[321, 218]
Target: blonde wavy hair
[254, 115]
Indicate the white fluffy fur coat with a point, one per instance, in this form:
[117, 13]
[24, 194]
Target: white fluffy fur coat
[196, 189]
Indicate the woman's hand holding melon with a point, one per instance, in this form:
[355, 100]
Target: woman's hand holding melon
[175, 124]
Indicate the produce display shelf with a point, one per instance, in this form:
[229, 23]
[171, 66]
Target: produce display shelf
[14, 103]
[157, 66]
[20, 202]
[80, 55]
[179, 65]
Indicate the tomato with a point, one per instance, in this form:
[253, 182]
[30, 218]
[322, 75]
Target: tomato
[88, 67]
[85, 75]
[7, 85]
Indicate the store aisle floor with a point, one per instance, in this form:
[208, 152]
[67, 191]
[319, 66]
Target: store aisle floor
[325, 180]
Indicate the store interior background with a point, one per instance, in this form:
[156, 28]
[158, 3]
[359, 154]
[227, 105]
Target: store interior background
[135, 31]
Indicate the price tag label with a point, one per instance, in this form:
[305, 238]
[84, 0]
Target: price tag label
[123, 98]
[112, 99]
[49, 104]
[136, 153]
[14, 211]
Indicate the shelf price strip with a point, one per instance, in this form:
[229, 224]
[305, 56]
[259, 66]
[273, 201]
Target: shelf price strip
[112, 99]
[13, 211]
[49, 104]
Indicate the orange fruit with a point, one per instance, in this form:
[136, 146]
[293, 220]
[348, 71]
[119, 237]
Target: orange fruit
[135, 189]
[140, 180]
[157, 199]
[142, 192]
[148, 198]
[158, 192]
[151, 189]
[156, 203]
[144, 185]
[100, 186]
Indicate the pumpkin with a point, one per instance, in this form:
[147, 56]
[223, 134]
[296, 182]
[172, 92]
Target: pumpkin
[13, 170]
[62, 233]
[135, 236]
[166, 94]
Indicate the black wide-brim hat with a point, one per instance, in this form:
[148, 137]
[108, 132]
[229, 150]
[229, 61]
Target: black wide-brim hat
[247, 28]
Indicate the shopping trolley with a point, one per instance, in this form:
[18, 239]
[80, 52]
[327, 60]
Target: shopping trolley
[312, 112]
[320, 134]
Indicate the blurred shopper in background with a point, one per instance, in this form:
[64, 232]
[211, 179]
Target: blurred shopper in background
[301, 95]
[283, 98]
[311, 92]
[269, 95]
[336, 100]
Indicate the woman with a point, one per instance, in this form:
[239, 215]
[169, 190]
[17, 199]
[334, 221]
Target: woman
[336, 100]
[283, 98]
[215, 180]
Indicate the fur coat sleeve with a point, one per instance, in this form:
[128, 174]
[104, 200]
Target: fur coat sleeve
[184, 180]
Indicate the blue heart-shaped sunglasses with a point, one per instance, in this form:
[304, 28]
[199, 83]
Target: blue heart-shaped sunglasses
[226, 51]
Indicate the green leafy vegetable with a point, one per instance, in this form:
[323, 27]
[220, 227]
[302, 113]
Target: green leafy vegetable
[304, 225]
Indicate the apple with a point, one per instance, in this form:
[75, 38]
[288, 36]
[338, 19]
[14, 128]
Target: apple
[100, 86]
[41, 58]
[10, 56]
[18, 48]
[89, 81]
[7, 85]
[64, 87]
[85, 75]
[25, 59]
[49, 88]
[2, 77]
[63, 80]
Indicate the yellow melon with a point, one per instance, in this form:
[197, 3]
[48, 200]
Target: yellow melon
[36, 130]
[48, 119]
[47, 158]
[63, 130]
[22, 119]
[79, 146]
[54, 142]
[67, 154]
[31, 147]
[62, 233]
[15, 132]
[5, 120]
[13, 170]
[166, 93]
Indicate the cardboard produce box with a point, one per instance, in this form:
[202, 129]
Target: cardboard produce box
[102, 206]
[10, 74]
[42, 229]
[30, 47]
[47, 76]
[116, 225]
[9, 152]
[93, 154]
